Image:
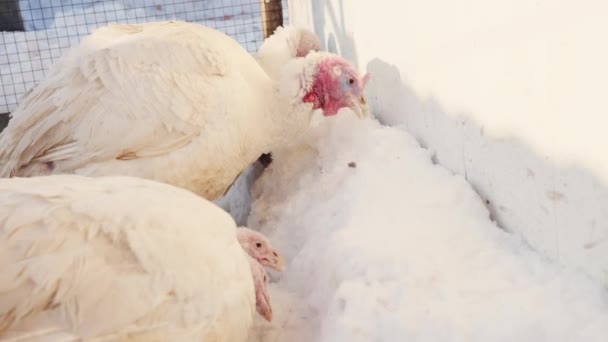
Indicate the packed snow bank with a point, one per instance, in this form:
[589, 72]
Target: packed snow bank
[382, 245]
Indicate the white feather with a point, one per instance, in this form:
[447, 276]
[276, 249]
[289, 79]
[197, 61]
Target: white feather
[277, 50]
[118, 257]
[297, 76]
[282, 46]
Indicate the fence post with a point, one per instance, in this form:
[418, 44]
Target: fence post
[10, 16]
[272, 15]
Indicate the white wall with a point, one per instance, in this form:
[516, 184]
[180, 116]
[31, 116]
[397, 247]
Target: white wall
[508, 93]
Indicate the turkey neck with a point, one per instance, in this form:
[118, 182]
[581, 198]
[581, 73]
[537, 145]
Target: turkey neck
[283, 121]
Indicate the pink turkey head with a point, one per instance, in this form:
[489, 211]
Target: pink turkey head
[262, 300]
[337, 85]
[259, 248]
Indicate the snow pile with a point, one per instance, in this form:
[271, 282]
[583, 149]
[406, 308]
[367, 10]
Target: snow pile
[26, 56]
[382, 245]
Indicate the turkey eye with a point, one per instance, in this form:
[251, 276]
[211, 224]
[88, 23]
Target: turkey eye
[351, 81]
[258, 245]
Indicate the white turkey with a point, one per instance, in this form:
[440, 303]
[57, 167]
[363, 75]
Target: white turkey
[174, 102]
[119, 258]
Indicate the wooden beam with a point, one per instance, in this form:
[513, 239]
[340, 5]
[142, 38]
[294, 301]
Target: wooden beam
[10, 16]
[272, 15]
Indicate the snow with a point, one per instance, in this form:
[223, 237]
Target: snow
[395, 248]
[381, 244]
[53, 26]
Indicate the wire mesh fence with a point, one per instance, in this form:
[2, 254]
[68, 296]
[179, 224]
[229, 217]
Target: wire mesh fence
[47, 28]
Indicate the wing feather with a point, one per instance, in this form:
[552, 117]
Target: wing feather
[128, 91]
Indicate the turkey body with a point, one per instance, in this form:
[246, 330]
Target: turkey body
[174, 102]
[119, 259]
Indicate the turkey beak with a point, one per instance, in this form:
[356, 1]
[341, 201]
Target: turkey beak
[359, 106]
[278, 262]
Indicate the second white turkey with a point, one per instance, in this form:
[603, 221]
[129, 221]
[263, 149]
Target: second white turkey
[122, 258]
